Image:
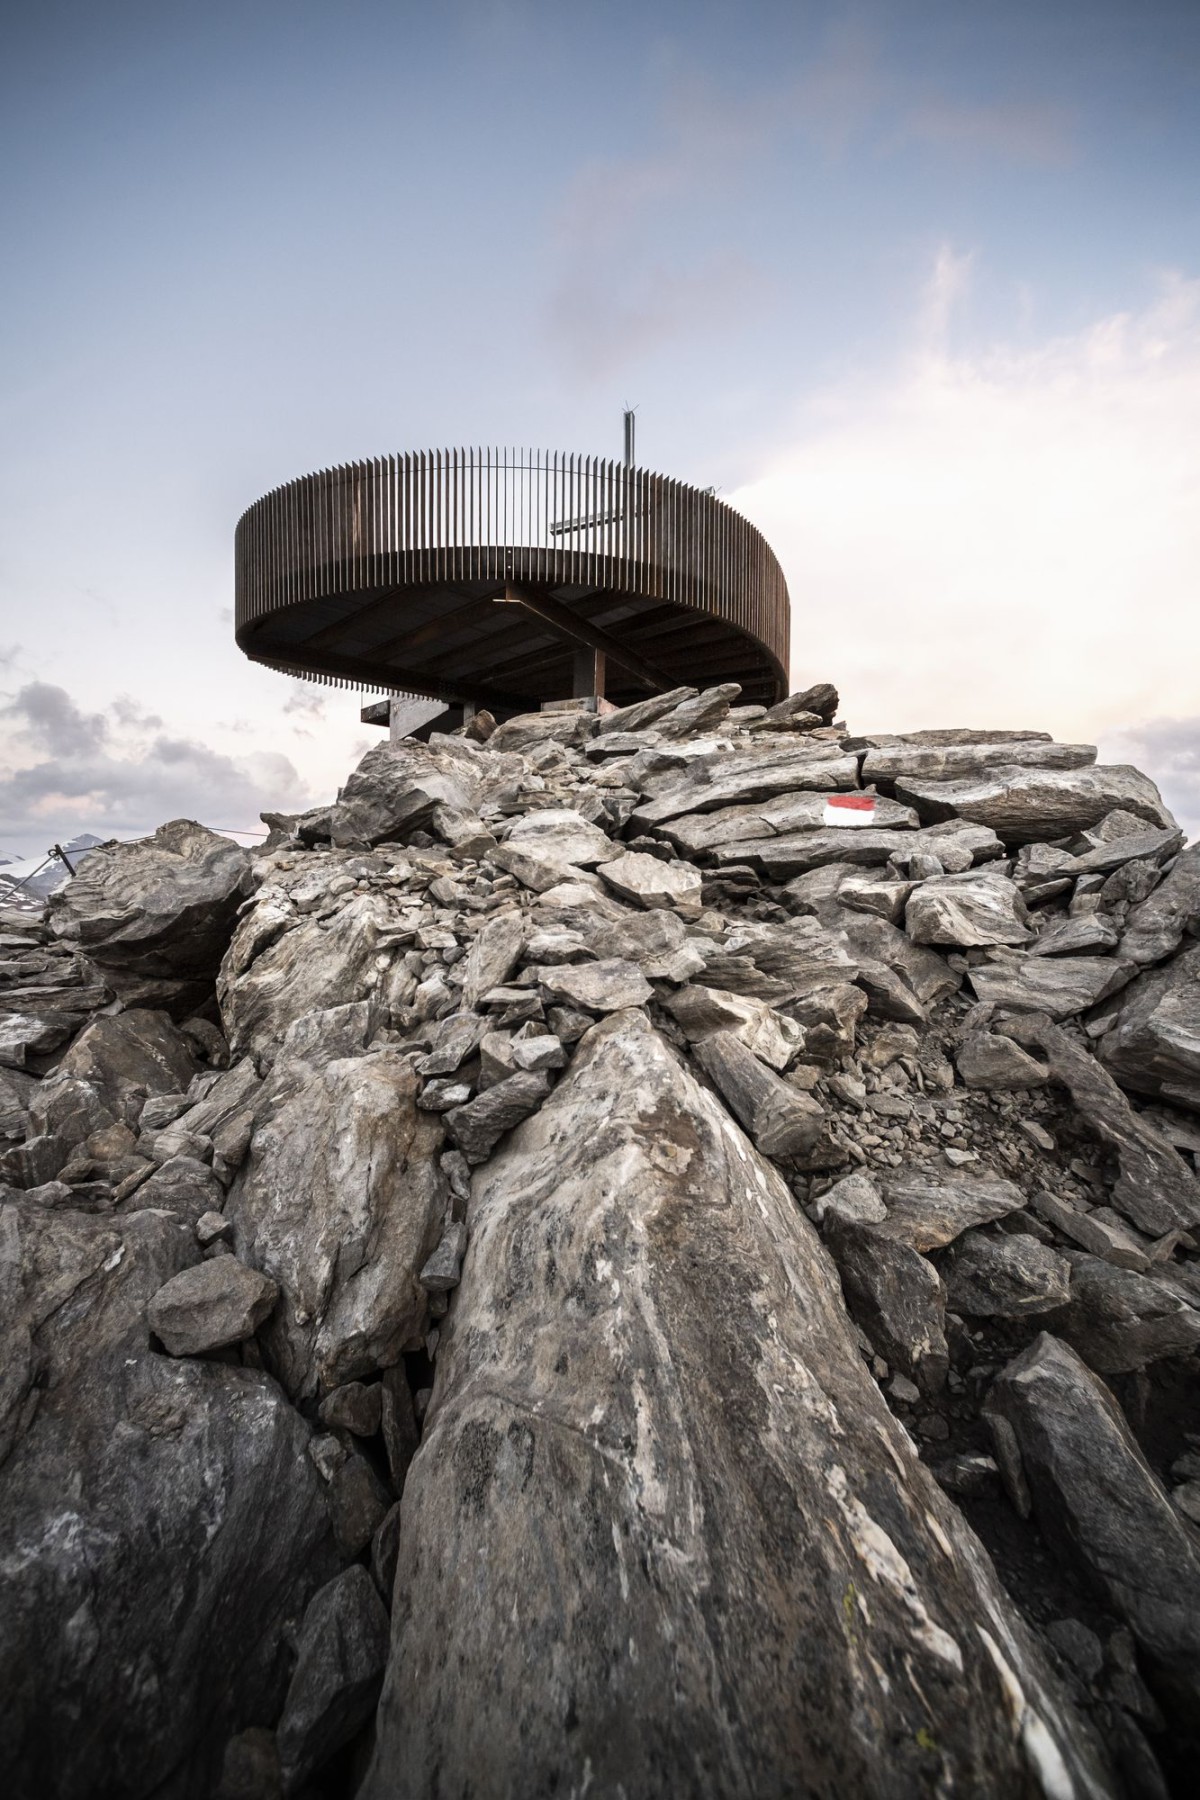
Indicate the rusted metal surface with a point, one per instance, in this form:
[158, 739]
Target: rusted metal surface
[387, 574]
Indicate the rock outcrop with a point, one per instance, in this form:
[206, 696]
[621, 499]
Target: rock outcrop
[651, 1253]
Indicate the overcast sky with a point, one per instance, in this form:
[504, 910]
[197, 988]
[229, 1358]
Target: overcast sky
[916, 284]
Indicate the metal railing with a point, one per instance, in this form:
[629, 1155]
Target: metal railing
[475, 515]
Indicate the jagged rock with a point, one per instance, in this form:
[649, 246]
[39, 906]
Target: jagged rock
[1152, 844]
[395, 789]
[352, 1407]
[829, 1018]
[1119, 1319]
[1005, 1277]
[986, 1059]
[774, 1038]
[703, 713]
[443, 1269]
[781, 1119]
[340, 1658]
[855, 1200]
[358, 1502]
[1157, 926]
[281, 967]
[122, 1058]
[967, 910]
[462, 828]
[876, 895]
[1027, 806]
[927, 1212]
[548, 846]
[609, 985]
[956, 762]
[156, 915]
[643, 712]
[210, 1305]
[478, 1126]
[1105, 1512]
[754, 1461]
[250, 1768]
[898, 1298]
[1154, 1046]
[340, 1201]
[797, 852]
[27, 1036]
[157, 1515]
[1058, 986]
[654, 884]
[525, 729]
[456, 1038]
[1155, 1187]
[923, 971]
[1093, 935]
[493, 955]
[753, 772]
[1103, 1235]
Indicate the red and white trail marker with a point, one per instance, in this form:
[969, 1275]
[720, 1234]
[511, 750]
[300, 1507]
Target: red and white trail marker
[850, 809]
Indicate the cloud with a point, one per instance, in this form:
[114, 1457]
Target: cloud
[1004, 537]
[117, 773]
[1171, 749]
[1020, 130]
[601, 330]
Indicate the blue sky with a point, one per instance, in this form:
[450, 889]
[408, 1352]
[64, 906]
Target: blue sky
[915, 284]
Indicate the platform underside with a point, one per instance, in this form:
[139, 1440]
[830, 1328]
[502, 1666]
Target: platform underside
[463, 641]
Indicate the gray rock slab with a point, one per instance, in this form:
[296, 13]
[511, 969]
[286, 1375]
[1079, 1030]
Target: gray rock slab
[795, 853]
[648, 1391]
[967, 912]
[704, 713]
[1104, 1511]
[1027, 806]
[987, 1059]
[898, 1298]
[754, 772]
[1092, 935]
[928, 1212]
[561, 836]
[1122, 1319]
[697, 833]
[1058, 986]
[774, 1038]
[340, 1201]
[955, 762]
[1005, 1276]
[643, 712]
[1154, 1047]
[25, 1036]
[210, 1305]
[282, 966]
[340, 1658]
[494, 954]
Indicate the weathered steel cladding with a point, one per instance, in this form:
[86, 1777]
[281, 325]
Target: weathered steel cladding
[465, 521]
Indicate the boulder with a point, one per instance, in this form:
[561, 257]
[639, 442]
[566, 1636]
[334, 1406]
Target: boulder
[774, 1038]
[478, 1126]
[701, 832]
[340, 1202]
[396, 788]
[340, 1658]
[1091, 935]
[156, 915]
[782, 1120]
[643, 713]
[1157, 926]
[854, 1200]
[1058, 986]
[967, 911]
[794, 853]
[1030, 806]
[1154, 1046]
[753, 772]
[609, 985]
[705, 712]
[648, 1393]
[210, 1305]
[494, 954]
[1097, 1501]
[1005, 1277]
[160, 1522]
[652, 883]
[122, 1057]
[25, 1036]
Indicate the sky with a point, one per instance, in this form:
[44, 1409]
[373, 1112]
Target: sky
[914, 284]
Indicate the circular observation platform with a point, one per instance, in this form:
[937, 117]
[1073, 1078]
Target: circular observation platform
[508, 578]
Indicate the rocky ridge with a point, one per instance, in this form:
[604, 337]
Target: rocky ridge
[573, 1267]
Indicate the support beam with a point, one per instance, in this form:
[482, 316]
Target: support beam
[589, 675]
[569, 625]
